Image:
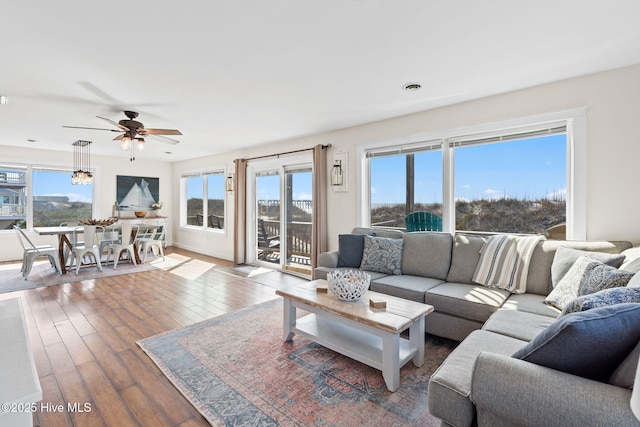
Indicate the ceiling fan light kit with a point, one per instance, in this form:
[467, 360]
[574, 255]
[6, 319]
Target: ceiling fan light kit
[134, 132]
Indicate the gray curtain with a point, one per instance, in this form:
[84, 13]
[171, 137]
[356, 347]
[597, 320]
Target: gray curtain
[319, 212]
[240, 217]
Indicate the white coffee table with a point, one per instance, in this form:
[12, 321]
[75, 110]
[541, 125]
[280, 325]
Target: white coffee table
[354, 329]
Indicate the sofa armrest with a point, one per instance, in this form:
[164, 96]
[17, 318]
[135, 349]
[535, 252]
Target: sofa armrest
[328, 259]
[509, 391]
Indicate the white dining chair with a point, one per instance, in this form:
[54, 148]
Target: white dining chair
[72, 237]
[32, 252]
[155, 242]
[109, 238]
[90, 247]
[125, 244]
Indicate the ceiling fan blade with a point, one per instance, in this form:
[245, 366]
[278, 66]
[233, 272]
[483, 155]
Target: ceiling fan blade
[159, 131]
[160, 138]
[118, 138]
[82, 127]
[114, 123]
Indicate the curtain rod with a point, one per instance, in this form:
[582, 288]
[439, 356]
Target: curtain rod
[285, 153]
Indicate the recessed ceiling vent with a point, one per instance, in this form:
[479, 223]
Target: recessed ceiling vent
[412, 87]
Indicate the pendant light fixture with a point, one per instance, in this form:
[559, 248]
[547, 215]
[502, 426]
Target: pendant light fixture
[81, 163]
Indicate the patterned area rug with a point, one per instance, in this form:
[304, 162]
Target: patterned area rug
[237, 370]
[42, 274]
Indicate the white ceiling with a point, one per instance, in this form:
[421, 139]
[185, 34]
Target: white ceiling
[237, 73]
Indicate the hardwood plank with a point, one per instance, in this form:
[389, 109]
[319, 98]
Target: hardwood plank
[108, 400]
[52, 409]
[157, 385]
[75, 393]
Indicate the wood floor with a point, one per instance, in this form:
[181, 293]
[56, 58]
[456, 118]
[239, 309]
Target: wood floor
[84, 337]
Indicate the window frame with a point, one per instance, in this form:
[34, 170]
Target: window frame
[204, 174]
[576, 144]
[30, 168]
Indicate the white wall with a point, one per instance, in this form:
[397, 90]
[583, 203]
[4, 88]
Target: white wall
[612, 100]
[107, 168]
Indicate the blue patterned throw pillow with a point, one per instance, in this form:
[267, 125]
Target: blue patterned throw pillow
[586, 276]
[382, 255]
[603, 298]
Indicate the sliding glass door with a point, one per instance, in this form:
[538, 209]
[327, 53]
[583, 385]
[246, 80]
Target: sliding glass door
[268, 241]
[297, 216]
[282, 197]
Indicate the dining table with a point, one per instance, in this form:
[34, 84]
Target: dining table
[64, 231]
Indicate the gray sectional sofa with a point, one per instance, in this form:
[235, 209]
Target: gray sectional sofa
[480, 383]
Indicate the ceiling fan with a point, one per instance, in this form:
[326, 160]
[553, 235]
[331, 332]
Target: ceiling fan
[133, 130]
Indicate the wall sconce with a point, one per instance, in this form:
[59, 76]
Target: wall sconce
[339, 172]
[81, 163]
[228, 183]
[337, 177]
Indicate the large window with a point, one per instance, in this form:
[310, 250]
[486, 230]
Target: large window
[503, 181]
[517, 186]
[56, 200]
[204, 199]
[404, 183]
[13, 197]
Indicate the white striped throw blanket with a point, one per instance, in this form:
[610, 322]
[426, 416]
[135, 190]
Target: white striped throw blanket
[504, 262]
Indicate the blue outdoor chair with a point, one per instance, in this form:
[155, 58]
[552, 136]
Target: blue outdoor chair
[423, 221]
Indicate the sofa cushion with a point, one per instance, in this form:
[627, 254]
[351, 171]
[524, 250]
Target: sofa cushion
[450, 384]
[539, 279]
[382, 254]
[465, 255]
[517, 324]
[504, 262]
[427, 254]
[380, 232]
[585, 277]
[631, 259]
[625, 373]
[473, 302]
[350, 248]
[590, 344]
[531, 303]
[408, 287]
[565, 258]
[634, 282]
[603, 298]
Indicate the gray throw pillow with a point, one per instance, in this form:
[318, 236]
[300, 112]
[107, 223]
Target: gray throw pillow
[603, 298]
[565, 257]
[382, 255]
[586, 276]
[350, 248]
[590, 344]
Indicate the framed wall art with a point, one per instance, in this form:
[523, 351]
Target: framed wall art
[135, 193]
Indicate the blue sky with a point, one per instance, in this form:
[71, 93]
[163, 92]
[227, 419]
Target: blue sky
[46, 183]
[530, 169]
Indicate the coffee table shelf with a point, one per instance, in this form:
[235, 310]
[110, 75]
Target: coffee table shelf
[363, 346]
